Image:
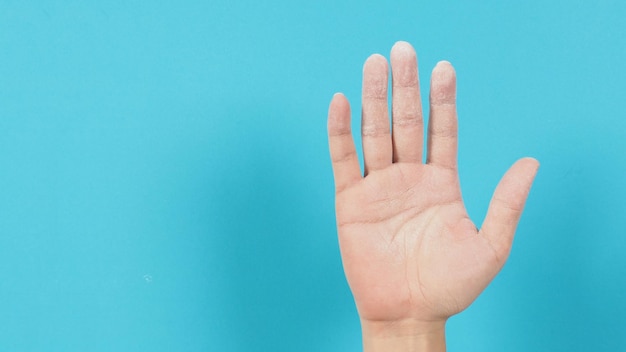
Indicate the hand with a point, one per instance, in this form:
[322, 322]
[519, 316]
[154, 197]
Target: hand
[411, 255]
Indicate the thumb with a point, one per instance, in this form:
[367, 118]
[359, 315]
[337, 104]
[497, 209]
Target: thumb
[507, 205]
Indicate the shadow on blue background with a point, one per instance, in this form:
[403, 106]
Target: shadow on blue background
[164, 182]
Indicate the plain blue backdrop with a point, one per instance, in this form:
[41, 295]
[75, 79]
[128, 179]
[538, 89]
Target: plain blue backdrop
[165, 183]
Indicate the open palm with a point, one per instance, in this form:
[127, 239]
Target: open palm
[409, 249]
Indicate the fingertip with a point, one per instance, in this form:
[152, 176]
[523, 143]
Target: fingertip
[528, 165]
[339, 104]
[402, 49]
[375, 76]
[338, 97]
[443, 84]
[375, 61]
[443, 72]
[531, 162]
[339, 114]
[377, 57]
[402, 43]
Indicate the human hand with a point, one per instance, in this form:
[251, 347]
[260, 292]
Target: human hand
[411, 255]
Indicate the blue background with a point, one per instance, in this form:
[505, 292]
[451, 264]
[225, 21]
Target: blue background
[165, 183]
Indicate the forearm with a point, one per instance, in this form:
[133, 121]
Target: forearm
[403, 336]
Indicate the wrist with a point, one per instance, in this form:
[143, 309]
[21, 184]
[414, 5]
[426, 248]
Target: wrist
[403, 335]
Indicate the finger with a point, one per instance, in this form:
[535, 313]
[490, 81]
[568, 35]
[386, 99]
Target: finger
[442, 125]
[507, 204]
[408, 125]
[342, 152]
[377, 152]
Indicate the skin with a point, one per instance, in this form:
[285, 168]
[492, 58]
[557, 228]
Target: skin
[411, 255]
